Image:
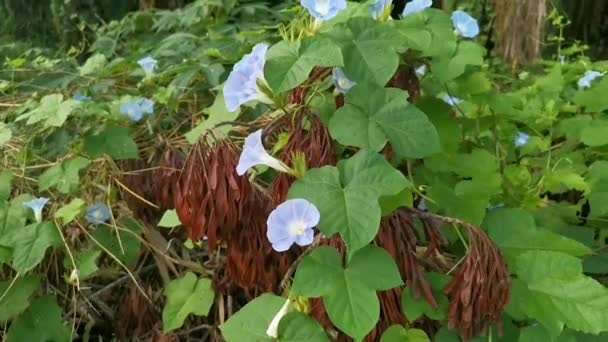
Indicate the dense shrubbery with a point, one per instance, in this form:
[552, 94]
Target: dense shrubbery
[238, 171]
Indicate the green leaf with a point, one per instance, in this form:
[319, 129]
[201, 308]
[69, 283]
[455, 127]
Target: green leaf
[349, 295]
[53, 110]
[169, 219]
[595, 134]
[5, 134]
[30, 243]
[125, 245]
[216, 114]
[414, 308]
[93, 65]
[185, 296]
[347, 195]
[114, 141]
[397, 333]
[373, 115]
[560, 181]
[251, 322]
[296, 327]
[369, 51]
[322, 260]
[558, 293]
[42, 322]
[430, 32]
[70, 211]
[6, 178]
[593, 99]
[447, 67]
[65, 176]
[515, 232]
[288, 64]
[352, 307]
[375, 268]
[16, 297]
[86, 263]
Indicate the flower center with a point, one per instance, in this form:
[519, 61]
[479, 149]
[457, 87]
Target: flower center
[343, 83]
[323, 6]
[296, 228]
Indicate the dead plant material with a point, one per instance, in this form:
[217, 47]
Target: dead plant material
[405, 78]
[479, 289]
[309, 136]
[136, 316]
[208, 193]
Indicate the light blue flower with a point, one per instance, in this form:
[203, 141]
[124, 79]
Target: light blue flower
[416, 6]
[79, 97]
[242, 83]
[340, 81]
[420, 71]
[146, 105]
[97, 213]
[323, 9]
[37, 204]
[254, 154]
[494, 207]
[562, 59]
[380, 8]
[132, 110]
[292, 222]
[585, 81]
[422, 205]
[148, 64]
[464, 24]
[451, 100]
[521, 139]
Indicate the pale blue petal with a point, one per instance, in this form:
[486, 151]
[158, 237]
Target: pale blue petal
[242, 83]
[97, 213]
[131, 110]
[148, 64]
[254, 154]
[378, 7]
[416, 6]
[420, 71]
[298, 212]
[341, 82]
[451, 100]
[323, 9]
[590, 75]
[79, 97]
[521, 139]
[145, 105]
[464, 24]
[37, 204]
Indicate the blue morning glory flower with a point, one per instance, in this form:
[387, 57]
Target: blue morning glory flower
[79, 97]
[146, 105]
[422, 205]
[292, 222]
[420, 71]
[242, 83]
[380, 7]
[451, 100]
[416, 6]
[97, 213]
[132, 110]
[254, 154]
[341, 82]
[521, 139]
[37, 204]
[585, 81]
[323, 9]
[562, 59]
[464, 24]
[148, 64]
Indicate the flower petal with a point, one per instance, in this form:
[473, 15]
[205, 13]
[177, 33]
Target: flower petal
[254, 154]
[242, 83]
[340, 81]
[293, 213]
[464, 24]
[416, 6]
[323, 9]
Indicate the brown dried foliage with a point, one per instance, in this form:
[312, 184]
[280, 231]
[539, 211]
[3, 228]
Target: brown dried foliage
[208, 191]
[405, 78]
[315, 143]
[479, 289]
